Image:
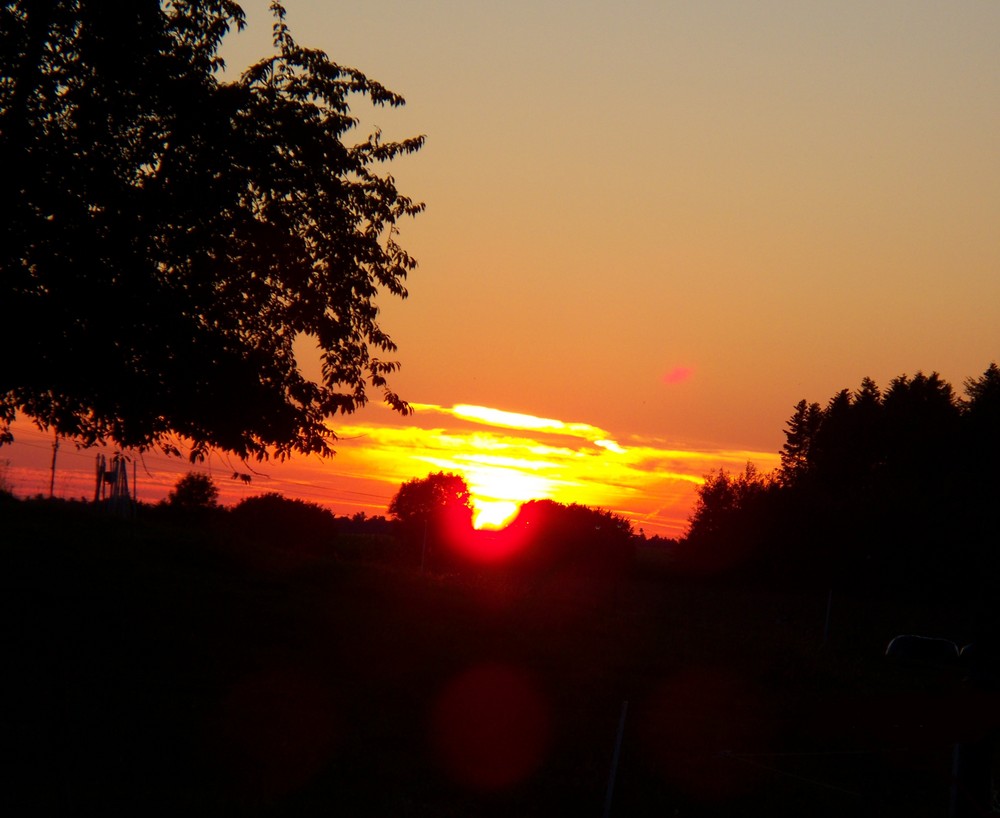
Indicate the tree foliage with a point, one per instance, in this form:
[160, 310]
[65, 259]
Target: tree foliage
[284, 523]
[429, 499]
[168, 234]
[194, 492]
[433, 517]
[571, 537]
[729, 518]
[802, 426]
[895, 487]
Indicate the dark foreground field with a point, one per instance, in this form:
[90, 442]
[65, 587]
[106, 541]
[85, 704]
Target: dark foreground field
[164, 672]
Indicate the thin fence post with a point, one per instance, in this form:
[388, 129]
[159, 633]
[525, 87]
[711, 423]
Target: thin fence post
[614, 760]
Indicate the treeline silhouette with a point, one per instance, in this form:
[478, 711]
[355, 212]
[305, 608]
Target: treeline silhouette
[434, 519]
[292, 532]
[545, 537]
[429, 527]
[894, 492]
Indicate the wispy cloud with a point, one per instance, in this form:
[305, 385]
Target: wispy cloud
[502, 419]
[513, 456]
[678, 374]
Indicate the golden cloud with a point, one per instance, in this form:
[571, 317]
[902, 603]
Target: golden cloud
[511, 456]
[506, 457]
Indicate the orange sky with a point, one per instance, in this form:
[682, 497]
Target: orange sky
[780, 197]
[667, 221]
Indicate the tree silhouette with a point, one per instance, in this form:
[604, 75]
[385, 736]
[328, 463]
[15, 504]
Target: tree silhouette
[800, 436]
[572, 537]
[867, 431]
[167, 235]
[284, 523]
[892, 491]
[730, 521]
[984, 394]
[432, 512]
[982, 420]
[922, 418]
[194, 492]
[425, 500]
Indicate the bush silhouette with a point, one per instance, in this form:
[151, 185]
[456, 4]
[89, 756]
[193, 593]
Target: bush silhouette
[285, 524]
[194, 492]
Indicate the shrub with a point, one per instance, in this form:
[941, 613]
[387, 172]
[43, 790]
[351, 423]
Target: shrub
[286, 524]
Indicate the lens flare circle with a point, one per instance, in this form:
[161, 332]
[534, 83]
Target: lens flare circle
[491, 727]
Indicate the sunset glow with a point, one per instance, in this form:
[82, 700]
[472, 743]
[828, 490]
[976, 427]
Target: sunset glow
[764, 252]
[719, 332]
[507, 458]
[649, 321]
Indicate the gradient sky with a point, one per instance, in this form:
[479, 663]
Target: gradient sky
[670, 221]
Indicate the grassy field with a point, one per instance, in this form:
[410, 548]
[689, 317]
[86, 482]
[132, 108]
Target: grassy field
[163, 671]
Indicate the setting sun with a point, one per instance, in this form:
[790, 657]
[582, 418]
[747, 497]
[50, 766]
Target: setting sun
[493, 514]
[498, 490]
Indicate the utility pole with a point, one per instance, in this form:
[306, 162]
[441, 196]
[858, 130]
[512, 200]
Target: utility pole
[52, 475]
